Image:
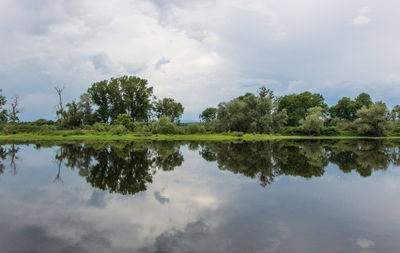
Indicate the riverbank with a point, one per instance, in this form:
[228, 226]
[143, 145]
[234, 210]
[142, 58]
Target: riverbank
[187, 137]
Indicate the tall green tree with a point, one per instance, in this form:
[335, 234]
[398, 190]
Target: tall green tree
[373, 121]
[168, 107]
[125, 94]
[3, 112]
[85, 107]
[137, 96]
[98, 93]
[297, 105]
[346, 108]
[208, 114]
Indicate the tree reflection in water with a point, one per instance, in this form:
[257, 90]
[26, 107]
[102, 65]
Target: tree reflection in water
[127, 168]
[306, 158]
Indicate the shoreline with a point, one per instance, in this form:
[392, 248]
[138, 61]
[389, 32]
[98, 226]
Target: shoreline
[162, 137]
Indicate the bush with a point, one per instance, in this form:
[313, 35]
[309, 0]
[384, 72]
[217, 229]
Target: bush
[46, 129]
[396, 132]
[330, 131]
[195, 128]
[118, 129]
[163, 126]
[100, 127]
[292, 131]
[138, 126]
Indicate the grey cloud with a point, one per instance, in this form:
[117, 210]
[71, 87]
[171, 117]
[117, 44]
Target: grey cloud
[97, 199]
[161, 199]
[161, 62]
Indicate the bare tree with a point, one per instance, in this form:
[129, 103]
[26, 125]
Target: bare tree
[60, 107]
[15, 109]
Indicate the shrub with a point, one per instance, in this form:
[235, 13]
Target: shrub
[330, 131]
[118, 129]
[195, 128]
[100, 127]
[163, 126]
[396, 132]
[313, 123]
[373, 121]
[47, 129]
[292, 131]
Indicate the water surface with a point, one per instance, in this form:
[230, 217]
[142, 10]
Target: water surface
[279, 196]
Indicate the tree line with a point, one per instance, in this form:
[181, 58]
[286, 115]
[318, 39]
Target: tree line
[127, 103]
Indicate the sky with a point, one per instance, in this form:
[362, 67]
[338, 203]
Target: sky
[199, 52]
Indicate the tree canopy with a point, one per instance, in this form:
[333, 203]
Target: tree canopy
[249, 113]
[126, 94]
[168, 107]
[297, 105]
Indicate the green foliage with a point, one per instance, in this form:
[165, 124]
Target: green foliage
[85, 108]
[395, 115]
[195, 128]
[297, 105]
[346, 108]
[123, 119]
[3, 112]
[313, 122]
[126, 94]
[395, 132]
[72, 117]
[163, 126]
[168, 107]
[118, 129]
[48, 129]
[208, 114]
[330, 131]
[373, 121]
[249, 113]
[100, 127]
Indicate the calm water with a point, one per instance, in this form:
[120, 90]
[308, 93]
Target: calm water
[284, 196]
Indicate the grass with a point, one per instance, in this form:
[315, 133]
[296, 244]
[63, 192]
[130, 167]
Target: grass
[96, 136]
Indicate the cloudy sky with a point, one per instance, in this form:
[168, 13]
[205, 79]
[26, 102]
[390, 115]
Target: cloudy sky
[199, 52]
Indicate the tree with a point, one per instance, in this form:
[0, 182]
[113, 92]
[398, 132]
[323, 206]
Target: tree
[99, 95]
[208, 114]
[364, 99]
[85, 107]
[168, 107]
[373, 121]
[137, 96]
[297, 105]
[313, 122]
[3, 112]
[126, 94]
[395, 113]
[60, 107]
[15, 110]
[73, 117]
[249, 113]
[346, 108]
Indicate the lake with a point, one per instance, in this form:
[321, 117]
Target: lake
[275, 196]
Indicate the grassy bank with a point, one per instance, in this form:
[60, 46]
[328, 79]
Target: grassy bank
[88, 136]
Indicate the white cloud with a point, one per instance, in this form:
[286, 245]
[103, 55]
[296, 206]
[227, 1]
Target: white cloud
[365, 10]
[364, 243]
[361, 20]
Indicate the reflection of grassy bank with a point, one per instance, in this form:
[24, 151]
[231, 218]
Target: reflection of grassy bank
[91, 136]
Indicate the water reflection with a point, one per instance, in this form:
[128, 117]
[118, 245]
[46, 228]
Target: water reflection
[127, 168]
[201, 197]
